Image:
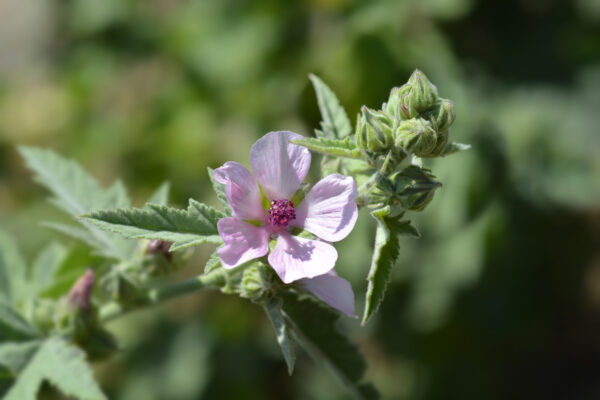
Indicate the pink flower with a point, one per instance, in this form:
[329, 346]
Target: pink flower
[263, 210]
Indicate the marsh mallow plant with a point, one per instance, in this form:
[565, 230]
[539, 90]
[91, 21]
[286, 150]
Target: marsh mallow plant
[274, 233]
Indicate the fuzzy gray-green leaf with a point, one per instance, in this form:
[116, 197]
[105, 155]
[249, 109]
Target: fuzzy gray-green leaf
[77, 193]
[283, 333]
[219, 189]
[13, 326]
[72, 231]
[12, 270]
[160, 195]
[331, 147]
[16, 355]
[185, 228]
[213, 262]
[61, 364]
[335, 123]
[315, 327]
[46, 265]
[385, 255]
[454, 147]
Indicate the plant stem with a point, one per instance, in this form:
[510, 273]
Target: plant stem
[215, 279]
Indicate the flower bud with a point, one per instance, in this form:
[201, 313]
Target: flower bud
[423, 94]
[416, 136]
[156, 246]
[158, 260]
[442, 141]
[81, 292]
[443, 114]
[374, 130]
[398, 104]
[418, 202]
[256, 284]
[44, 311]
[414, 188]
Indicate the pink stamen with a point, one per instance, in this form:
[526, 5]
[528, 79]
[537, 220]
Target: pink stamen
[281, 213]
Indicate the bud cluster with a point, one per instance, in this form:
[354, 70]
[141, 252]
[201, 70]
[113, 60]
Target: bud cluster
[414, 121]
[413, 124]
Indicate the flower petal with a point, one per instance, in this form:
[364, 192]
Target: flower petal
[333, 290]
[242, 191]
[329, 210]
[279, 165]
[243, 241]
[295, 258]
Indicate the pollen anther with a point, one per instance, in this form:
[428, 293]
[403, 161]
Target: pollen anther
[281, 213]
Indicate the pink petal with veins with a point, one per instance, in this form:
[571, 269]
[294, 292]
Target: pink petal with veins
[295, 258]
[279, 166]
[243, 241]
[329, 210]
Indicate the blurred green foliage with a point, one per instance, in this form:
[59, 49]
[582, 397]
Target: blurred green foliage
[500, 298]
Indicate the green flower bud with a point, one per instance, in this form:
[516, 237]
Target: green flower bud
[443, 115]
[381, 192]
[414, 188]
[420, 201]
[374, 130]
[158, 260]
[398, 104]
[442, 141]
[44, 312]
[423, 94]
[257, 283]
[416, 136]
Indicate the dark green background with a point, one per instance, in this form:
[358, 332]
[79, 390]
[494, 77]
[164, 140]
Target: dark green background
[499, 299]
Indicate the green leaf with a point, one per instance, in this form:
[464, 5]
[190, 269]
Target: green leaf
[214, 262]
[283, 332]
[332, 147]
[385, 255]
[63, 366]
[74, 189]
[13, 327]
[76, 260]
[219, 189]
[75, 232]
[46, 264]
[335, 124]
[160, 195]
[77, 193]
[454, 147]
[314, 326]
[185, 228]
[15, 356]
[12, 271]
[116, 196]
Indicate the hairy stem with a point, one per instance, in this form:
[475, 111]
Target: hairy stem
[215, 279]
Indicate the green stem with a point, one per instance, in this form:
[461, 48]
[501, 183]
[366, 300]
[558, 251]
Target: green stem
[215, 279]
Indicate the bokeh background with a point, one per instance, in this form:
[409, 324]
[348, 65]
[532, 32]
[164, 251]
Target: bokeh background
[499, 299]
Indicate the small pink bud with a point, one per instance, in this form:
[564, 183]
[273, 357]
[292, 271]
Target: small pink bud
[160, 246]
[81, 292]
